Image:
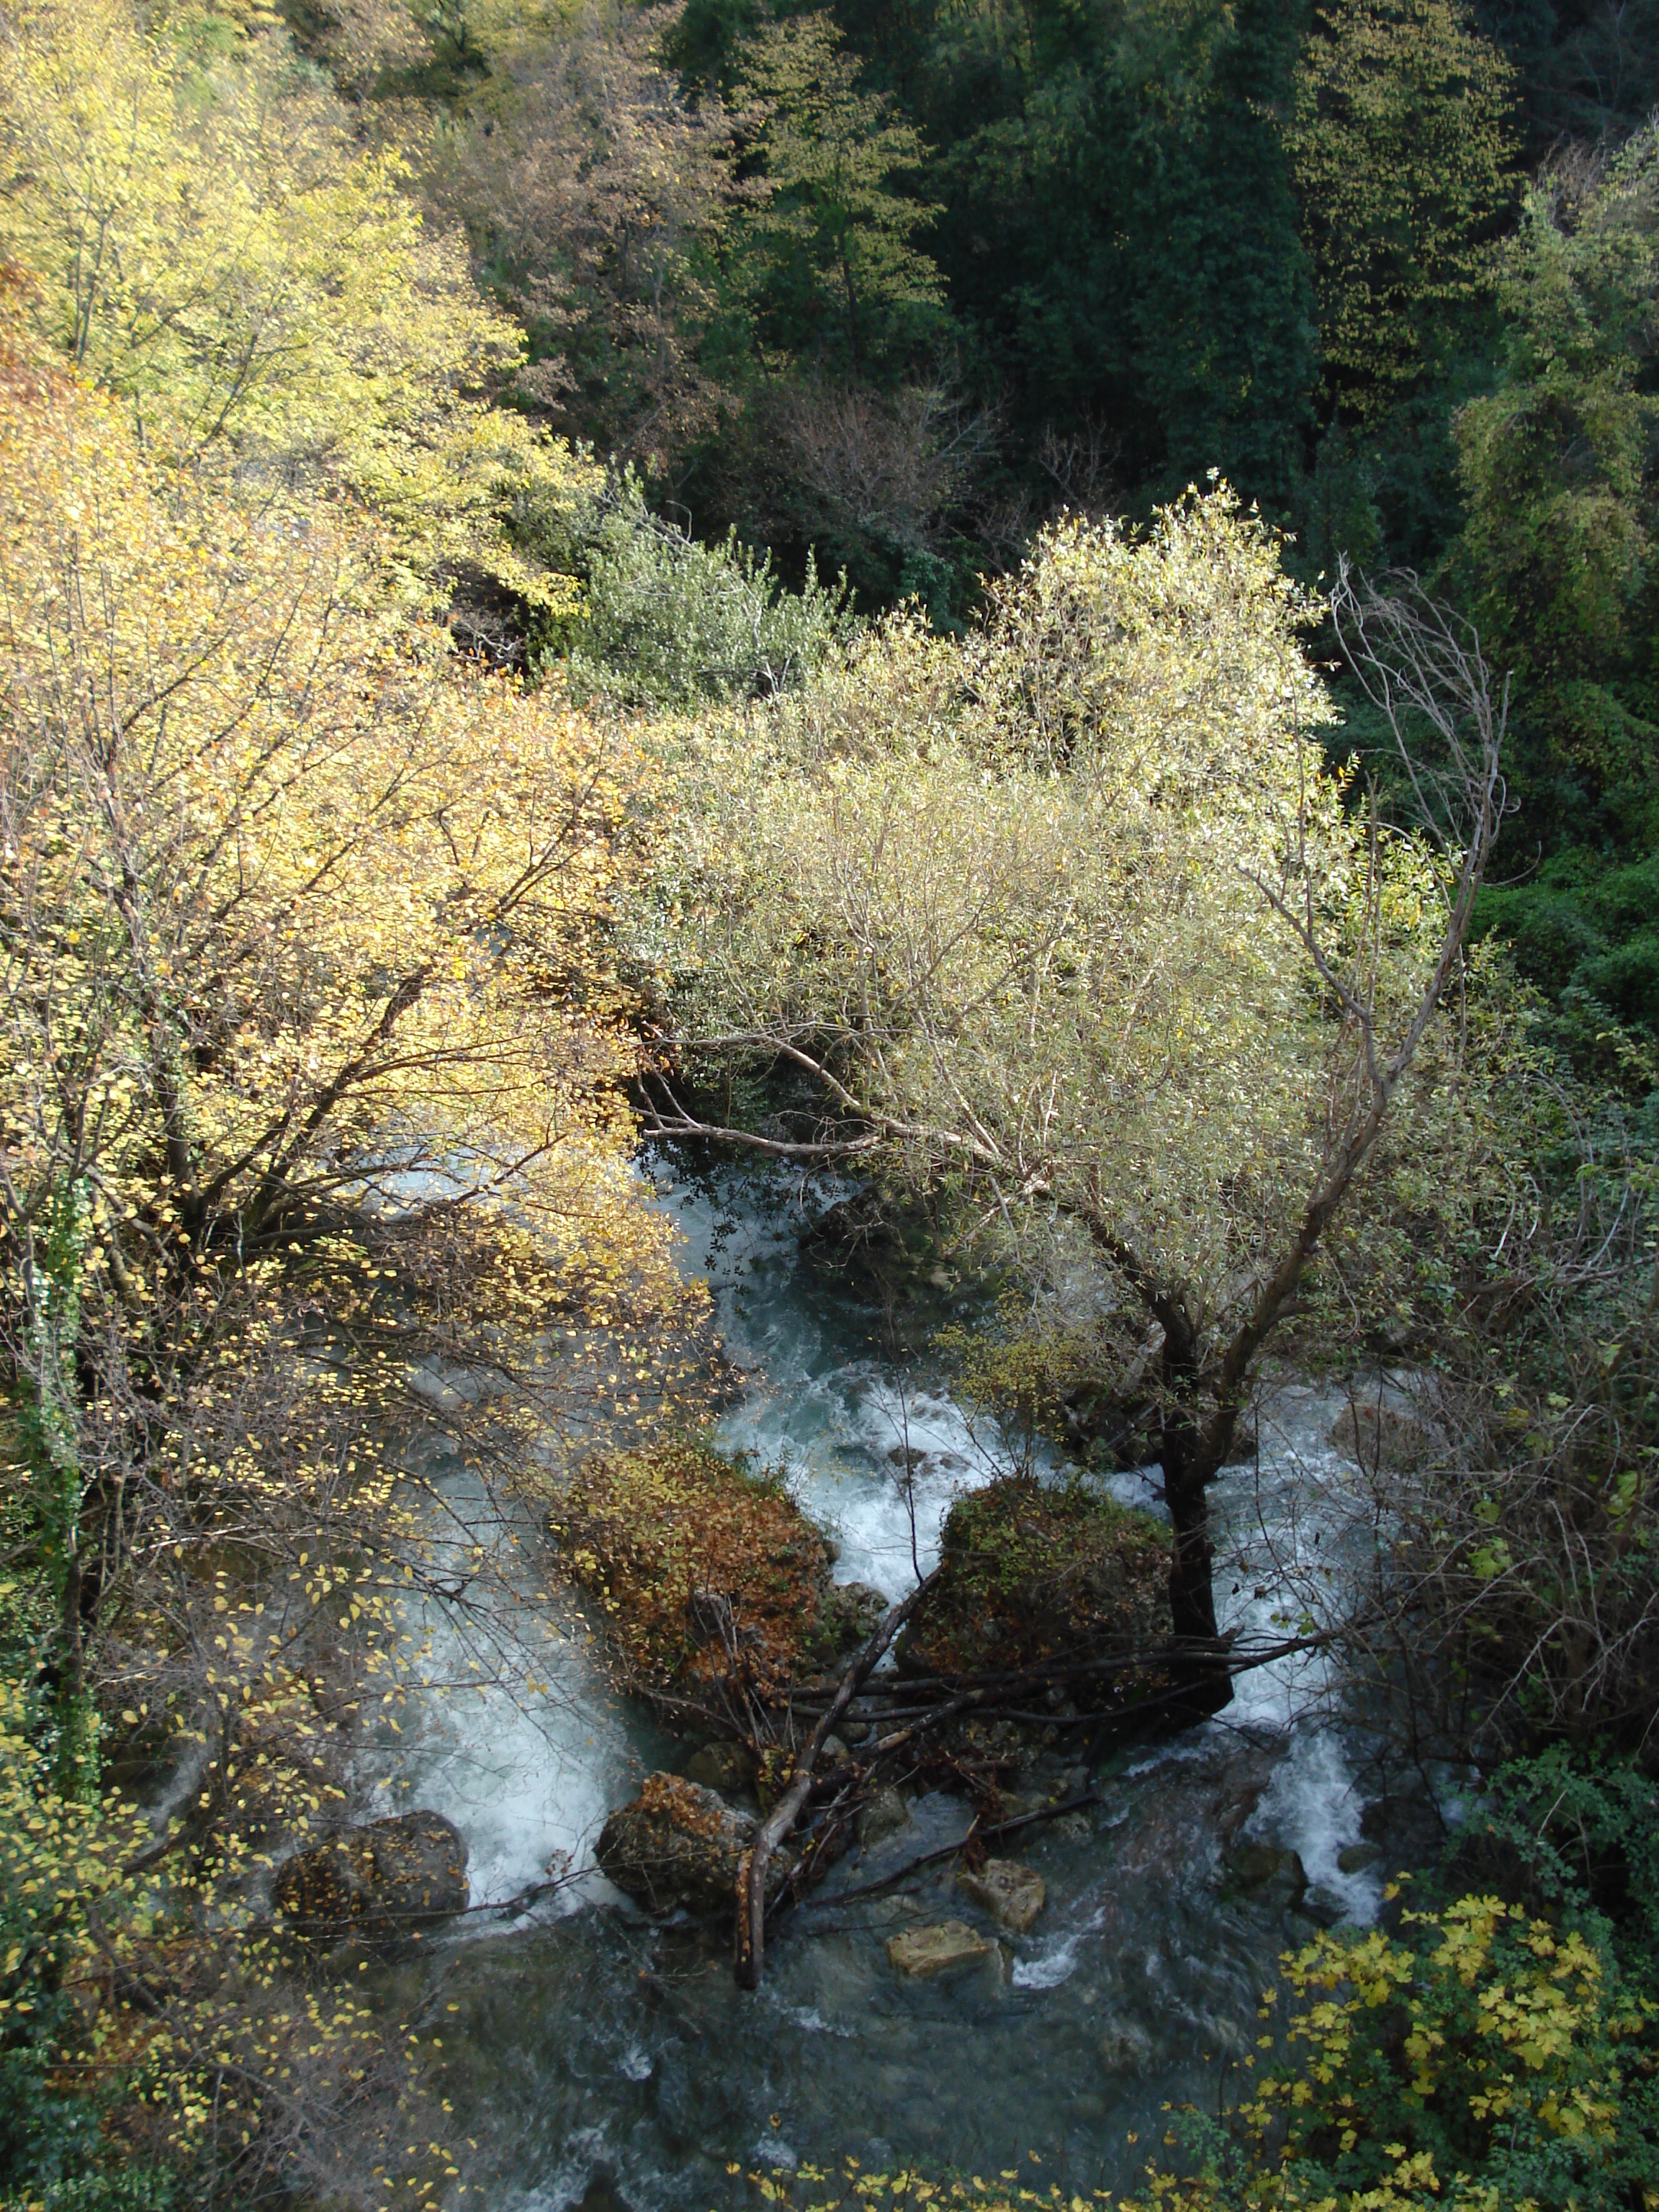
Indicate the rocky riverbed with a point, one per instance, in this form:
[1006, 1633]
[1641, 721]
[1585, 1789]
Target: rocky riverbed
[1092, 1965]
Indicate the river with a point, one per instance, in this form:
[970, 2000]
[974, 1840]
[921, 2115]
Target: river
[595, 2059]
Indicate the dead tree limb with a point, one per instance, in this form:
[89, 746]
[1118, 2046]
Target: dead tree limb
[751, 1871]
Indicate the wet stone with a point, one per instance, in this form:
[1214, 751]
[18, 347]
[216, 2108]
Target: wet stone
[1359, 1858]
[677, 1846]
[1012, 1895]
[1125, 2048]
[727, 1767]
[1385, 1437]
[1267, 1871]
[924, 1952]
[883, 1816]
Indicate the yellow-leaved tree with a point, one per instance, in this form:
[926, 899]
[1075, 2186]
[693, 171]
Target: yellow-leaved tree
[314, 1153]
[211, 242]
[1075, 920]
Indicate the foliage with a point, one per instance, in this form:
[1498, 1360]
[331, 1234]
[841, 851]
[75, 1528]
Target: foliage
[1519, 1605]
[1075, 919]
[290, 889]
[1584, 928]
[668, 623]
[1403, 155]
[313, 1094]
[207, 240]
[596, 195]
[1482, 2058]
[836, 274]
[1557, 555]
[1584, 1832]
[139, 2053]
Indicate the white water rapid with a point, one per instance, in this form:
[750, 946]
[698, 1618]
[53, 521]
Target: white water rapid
[599, 2060]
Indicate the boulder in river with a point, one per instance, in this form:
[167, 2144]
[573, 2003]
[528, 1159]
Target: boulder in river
[883, 1816]
[923, 1952]
[1031, 1573]
[401, 1874]
[848, 1615]
[714, 1585]
[730, 1768]
[1268, 1872]
[1012, 1895]
[677, 1847]
[1384, 1436]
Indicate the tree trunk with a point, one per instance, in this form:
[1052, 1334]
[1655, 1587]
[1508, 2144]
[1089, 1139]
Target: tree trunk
[751, 1935]
[1190, 1469]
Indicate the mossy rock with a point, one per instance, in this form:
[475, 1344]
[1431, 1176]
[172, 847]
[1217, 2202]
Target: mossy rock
[1029, 1574]
[677, 1847]
[706, 1573]
[399, 1874]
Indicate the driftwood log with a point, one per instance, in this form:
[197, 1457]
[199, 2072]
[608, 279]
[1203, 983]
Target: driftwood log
[751, 1873]
[923, 1705]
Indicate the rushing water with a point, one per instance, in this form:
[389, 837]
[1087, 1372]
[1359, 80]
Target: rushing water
[594, 2058]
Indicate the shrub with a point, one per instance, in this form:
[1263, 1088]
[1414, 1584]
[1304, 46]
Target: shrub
[670, 623]
[1482, 2059]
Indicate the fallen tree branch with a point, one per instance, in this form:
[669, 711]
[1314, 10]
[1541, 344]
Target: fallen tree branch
[751, 1943]
[975, 1835]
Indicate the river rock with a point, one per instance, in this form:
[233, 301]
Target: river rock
[1359, 1858]
[677, 1846]
[883, 1816]
[1267, 1871]
[1029, 1574]
[923, 1952]
[849, 1616]
[1125, 2048]
[1382, 1437]
[403, 1873]
[1012, 1895]
[729, 1768]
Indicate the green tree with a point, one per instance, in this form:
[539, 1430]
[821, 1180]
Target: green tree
[835, 272]
[1403, 152]
[1075, 922]
[1222, 307]
[1556, 560]
[596, 195]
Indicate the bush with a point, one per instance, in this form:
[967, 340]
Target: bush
[670, 623]
[1482, 2059]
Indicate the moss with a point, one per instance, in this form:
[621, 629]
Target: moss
[1029, 1574]
[710, 1574]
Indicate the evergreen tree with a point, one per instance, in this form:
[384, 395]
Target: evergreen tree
[1559, 470]
[836, 272]
[1403, 152]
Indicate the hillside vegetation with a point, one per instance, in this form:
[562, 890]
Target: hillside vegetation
[1055, 604]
